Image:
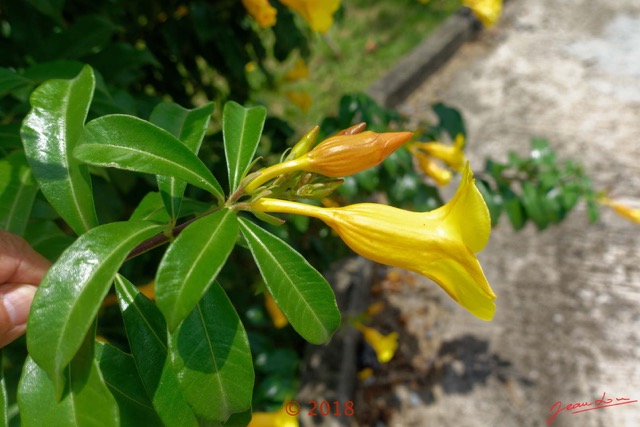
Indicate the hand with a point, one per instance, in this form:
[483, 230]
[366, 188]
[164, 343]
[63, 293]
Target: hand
[21, 270]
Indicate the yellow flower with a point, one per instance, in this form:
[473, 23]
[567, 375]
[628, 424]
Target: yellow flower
[440, 244]
[621, 209]
[338, 156]
[452, 155]
[431, 168]
[298, 72]
[317, 13]
[277, 316]
[384, 346]
[300, 99]
[261, 11]
[279, 418]
[487, 11]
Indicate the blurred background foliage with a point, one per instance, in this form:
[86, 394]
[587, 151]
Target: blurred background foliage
[189, 52]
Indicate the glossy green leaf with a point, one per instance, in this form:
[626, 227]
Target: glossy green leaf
[151, 208]
[147, 333]
[192, 262]
[72, 291]
[210, 353]
[50, 132]
[127, 142]
[18, 190]
[303, 295]
[189, 126]
[121, 376]
[242, 128]
[86, 401]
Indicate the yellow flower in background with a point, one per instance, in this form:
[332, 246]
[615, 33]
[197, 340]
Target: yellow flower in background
[632, 214]
[440, 244]
[452, 155]
[299, 71]
[279, 418]
[487, 11]
[261, 11]
[277, 316]
[385, 346]
[431, 168]
[317, 13]
[338, 156]
[300, 99]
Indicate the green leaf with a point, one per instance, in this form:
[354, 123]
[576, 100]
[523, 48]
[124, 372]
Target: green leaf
[450, 120]
[52, 8]
[303, 295]
[210, 353]
[121, 376]
[72, 291]
[515, 211]
[534, 205]
[151, 208]
[11, 81]
[86, 402]
[17, 192]
[127, 142]
[87, 34]
[50, 132]
[242, 128]
[47, 239]
[192, 263]
[189, 126]
[9, 138]
[147, 333]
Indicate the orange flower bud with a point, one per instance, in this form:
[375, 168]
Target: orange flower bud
[344, 155]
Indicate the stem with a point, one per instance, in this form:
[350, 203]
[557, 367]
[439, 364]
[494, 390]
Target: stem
[285, 206]
[162, 238]
[274, 171]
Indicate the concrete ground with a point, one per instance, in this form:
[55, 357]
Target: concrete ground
[567, 326]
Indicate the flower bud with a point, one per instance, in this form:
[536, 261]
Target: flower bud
[344, 155]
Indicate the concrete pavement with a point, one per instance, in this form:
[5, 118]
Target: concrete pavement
[567, 326]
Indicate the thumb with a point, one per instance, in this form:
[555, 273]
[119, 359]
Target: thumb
[15, 302]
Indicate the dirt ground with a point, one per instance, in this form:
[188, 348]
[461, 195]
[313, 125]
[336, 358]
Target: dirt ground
[567, 326]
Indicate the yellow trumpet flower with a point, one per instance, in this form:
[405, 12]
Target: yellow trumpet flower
[385, 346]
[338, 156]
[279, 418]
[440, 244]
[261, 11]
[621, 209]
[317, 13]
[431, 168]
[487, 11]
[452, 155]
